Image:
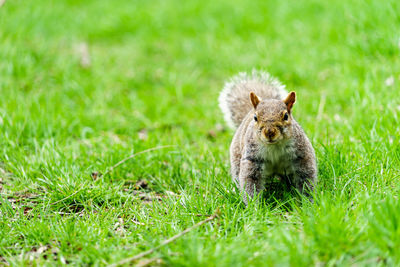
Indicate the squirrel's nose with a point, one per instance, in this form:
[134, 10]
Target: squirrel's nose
[269, 133]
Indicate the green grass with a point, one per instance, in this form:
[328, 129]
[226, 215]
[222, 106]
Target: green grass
[155, 74]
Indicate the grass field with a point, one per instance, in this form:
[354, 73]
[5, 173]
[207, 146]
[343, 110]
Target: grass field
[86, 84]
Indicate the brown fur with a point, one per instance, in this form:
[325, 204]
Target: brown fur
[290, 100]
[269, 142]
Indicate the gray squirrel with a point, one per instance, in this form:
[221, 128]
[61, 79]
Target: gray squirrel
[268, 141]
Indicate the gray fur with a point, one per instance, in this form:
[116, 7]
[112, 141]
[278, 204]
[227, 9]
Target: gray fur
[256, 156]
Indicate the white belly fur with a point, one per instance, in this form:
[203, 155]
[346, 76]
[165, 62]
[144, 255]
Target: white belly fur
[277, 159]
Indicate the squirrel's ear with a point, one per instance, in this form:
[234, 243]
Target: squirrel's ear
[254, 99]
[290, 100]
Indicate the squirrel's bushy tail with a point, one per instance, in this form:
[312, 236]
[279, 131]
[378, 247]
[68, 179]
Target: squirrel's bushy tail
[234, 99]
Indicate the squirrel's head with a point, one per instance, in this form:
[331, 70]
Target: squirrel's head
[273, 117]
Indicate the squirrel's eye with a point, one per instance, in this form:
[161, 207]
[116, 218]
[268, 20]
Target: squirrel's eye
[286, 117]
[255, 117]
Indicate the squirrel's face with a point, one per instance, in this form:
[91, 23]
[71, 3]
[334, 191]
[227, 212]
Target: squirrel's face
[273, 118]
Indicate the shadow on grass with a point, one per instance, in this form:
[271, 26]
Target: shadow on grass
[276, 195]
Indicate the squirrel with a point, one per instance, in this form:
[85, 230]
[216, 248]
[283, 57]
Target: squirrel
[268, 142]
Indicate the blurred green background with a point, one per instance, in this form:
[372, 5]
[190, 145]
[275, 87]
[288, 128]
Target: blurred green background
[85, 84]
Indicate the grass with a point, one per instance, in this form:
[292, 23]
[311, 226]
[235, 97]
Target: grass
[156, 68]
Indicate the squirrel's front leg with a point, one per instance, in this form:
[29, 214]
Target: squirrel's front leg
[250, 179]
